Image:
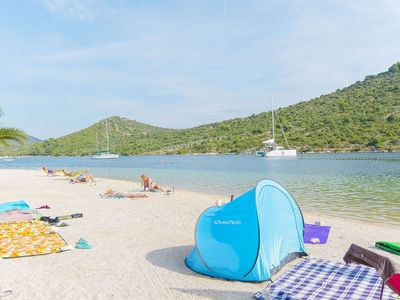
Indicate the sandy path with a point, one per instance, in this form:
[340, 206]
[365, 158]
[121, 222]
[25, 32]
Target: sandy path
[139, 245]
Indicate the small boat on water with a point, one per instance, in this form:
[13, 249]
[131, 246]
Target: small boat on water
[105, 154]
[272, 149]
[278, 151]
[6, 158]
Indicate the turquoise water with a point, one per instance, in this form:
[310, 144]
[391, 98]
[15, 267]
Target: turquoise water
[363, 186]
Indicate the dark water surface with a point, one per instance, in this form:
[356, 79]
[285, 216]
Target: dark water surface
[363, 186]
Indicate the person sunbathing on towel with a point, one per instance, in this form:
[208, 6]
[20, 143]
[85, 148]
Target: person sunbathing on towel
[83, 179]
[156, 188]
[50, 172]
[112, 193]
[147, 183]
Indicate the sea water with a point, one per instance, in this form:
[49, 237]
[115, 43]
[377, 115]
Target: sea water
[364, 186]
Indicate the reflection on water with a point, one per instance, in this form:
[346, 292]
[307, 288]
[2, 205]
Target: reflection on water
[362, 186]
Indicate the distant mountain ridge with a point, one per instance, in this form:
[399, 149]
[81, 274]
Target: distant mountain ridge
[362, 116]
[30, 140]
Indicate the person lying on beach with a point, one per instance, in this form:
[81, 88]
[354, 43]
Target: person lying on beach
[83, 179]
[50, 172]
[156, 188]
[151, 186]
[112, 193]
[74, 174]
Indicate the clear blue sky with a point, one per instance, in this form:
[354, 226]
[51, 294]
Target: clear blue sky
[65, 64]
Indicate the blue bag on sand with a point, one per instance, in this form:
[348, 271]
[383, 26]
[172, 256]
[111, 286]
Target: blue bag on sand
[83, 244]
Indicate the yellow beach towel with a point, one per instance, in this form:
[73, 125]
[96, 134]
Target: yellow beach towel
[23, 228]
[28, 238]
[31, 245]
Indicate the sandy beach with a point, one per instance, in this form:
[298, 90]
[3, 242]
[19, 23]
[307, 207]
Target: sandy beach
[139, 245]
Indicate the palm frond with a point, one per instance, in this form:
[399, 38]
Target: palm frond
[11, 134]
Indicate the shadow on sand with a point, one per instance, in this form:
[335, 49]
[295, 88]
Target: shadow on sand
[172, 259]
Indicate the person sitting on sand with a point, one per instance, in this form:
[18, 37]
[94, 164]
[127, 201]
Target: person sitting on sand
[50, 172]
[83, 179]
[147, 182]
[112, 193]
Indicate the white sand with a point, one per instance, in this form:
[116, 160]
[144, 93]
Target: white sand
[139, 245]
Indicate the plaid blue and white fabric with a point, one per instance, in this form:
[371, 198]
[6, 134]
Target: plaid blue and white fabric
[322, 279]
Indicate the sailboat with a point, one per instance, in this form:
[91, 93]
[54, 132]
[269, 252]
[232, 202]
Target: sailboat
[104, 154]
[6, 158]
[272, 148]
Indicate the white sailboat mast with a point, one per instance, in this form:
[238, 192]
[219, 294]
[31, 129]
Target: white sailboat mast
[97, 143]
[273, 121]
[108, 143]
[105, 154]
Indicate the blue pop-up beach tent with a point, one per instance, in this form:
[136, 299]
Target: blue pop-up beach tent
[251, 237]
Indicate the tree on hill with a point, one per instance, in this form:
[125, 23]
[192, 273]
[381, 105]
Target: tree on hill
[395, 68]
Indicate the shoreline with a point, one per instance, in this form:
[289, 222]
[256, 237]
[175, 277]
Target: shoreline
[384, 151]
[226, 197]
[139, 245]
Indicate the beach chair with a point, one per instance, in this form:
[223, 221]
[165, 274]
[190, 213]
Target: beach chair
[386, 267]
[73, 174]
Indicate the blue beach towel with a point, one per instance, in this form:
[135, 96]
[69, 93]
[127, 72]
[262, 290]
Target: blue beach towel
[14, 205]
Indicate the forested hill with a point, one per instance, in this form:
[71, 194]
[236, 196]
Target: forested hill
[363, 116]
[15, 148]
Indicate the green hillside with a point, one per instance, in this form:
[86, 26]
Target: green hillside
[16, 148]
[362, 116]
[125, 136]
